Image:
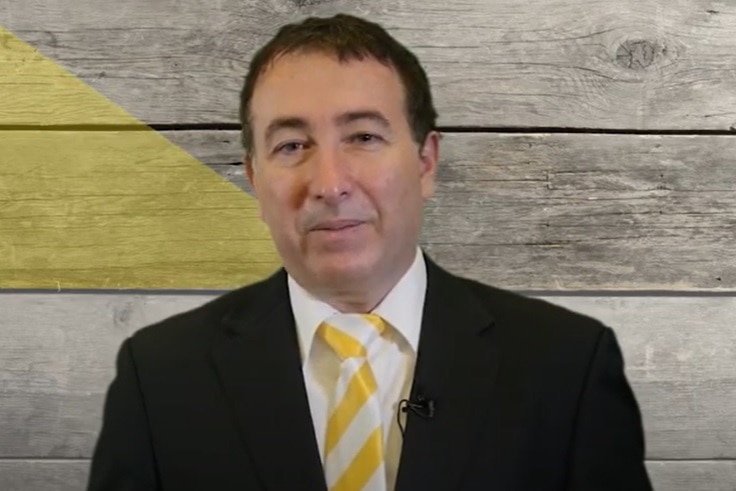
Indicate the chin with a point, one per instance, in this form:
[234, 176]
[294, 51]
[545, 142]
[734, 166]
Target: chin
[343, 267]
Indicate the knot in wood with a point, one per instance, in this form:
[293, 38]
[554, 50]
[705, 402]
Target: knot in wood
[121, 315]
[636, 54]
[306, 3]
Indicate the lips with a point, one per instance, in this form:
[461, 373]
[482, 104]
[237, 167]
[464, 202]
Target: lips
[336, 225]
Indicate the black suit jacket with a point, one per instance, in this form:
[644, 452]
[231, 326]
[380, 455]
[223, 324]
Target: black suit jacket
[528, 396]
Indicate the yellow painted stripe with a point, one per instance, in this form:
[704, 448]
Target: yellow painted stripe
[360, 388]
[110, 209]
[37, 91]
[361, 469]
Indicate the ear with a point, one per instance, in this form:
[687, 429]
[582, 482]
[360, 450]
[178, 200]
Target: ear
[429, 155]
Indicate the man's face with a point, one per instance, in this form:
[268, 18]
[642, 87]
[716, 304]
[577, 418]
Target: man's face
[340, 181]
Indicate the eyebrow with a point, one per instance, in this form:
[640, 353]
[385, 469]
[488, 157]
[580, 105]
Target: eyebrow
[285, 123]
[371, 115]
[345, 118]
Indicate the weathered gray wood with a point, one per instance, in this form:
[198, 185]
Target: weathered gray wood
[693, 476]
[569, 63]
[58, 350]
[71, 475]
[556, 212]
[43, 475]
[57, 356]
[30, 475]
[680, 357]
[569, 211]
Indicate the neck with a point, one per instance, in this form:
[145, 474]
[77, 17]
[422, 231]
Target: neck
[364, 295]
[358, 302]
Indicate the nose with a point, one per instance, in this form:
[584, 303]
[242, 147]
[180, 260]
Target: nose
[331, 181]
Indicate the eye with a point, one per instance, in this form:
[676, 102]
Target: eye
[365, 138]
[289, 147]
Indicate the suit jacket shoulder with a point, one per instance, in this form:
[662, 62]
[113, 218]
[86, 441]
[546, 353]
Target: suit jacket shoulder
[541, 327]
[191, 332]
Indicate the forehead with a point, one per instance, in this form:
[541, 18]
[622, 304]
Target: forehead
[315, 86]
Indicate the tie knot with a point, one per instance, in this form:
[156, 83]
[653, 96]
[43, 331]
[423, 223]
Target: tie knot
[349, 335]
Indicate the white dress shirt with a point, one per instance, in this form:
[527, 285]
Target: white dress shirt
[392, 357]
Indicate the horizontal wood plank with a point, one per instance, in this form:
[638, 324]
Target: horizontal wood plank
[643, 64]
[58, 352]
[680, 355]
[122, 210]
[693, 476]
[71, 475]
[568, 211]
[58, 356]
[43, 475]
[532, 212]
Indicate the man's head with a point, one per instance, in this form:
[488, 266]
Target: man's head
[341, 150]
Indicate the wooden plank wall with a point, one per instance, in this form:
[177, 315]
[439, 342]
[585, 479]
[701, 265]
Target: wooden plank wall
[588, 160]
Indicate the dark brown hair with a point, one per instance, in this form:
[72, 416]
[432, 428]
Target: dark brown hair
[349, 38]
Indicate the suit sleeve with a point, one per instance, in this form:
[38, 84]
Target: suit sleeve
[608, 446]
[123, 458]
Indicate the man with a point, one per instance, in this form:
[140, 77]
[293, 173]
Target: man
[362, 365]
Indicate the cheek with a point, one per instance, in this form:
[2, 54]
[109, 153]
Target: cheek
[280, 200]
[394, 196]
[408, 184]
[396, 183]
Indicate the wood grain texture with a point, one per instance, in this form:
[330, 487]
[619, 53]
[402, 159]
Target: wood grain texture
[644, 64]
[554, 211]
[122, 209]
[680, 355]
[71, 475]
[58, 354]
[568, 211]
[693, 476]
[43, 475]
[44, 92]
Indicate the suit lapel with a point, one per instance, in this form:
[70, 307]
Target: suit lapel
[456, 366]
[259, 365]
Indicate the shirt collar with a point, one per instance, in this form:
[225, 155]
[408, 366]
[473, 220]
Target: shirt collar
[402, 307]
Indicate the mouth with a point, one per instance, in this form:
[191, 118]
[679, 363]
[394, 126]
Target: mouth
[336, 225]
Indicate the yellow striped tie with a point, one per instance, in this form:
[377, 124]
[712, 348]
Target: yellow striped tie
[354, 438]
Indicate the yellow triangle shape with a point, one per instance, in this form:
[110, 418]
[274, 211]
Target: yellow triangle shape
[36, 91]
[110, 209]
